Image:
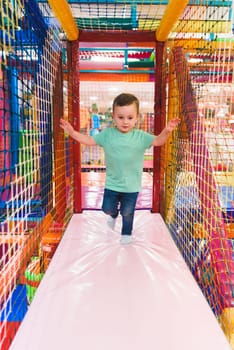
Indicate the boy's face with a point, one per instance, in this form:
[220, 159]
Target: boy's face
[125, 117]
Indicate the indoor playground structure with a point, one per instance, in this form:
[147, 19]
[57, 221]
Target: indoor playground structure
[66, 282]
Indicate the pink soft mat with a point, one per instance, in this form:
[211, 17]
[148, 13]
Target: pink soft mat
[100, 295]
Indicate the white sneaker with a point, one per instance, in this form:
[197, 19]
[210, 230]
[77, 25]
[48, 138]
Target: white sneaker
[111, 222]
[126, 239]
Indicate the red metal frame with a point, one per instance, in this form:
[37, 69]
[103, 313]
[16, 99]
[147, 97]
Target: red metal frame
[158, 123]
[158, 109]
[117, 36]
[74, 48]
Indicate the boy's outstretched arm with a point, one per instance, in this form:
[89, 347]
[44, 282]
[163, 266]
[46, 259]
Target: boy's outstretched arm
[84, 139]
[161, 139]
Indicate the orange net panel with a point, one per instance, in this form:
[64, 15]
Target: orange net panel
[199, 175]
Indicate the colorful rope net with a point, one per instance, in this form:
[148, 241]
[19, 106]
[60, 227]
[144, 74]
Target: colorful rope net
[199, 161]
[35, 175]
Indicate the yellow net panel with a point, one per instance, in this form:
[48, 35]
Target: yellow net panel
[199, 176]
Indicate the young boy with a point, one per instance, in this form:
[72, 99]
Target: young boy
[124, 148]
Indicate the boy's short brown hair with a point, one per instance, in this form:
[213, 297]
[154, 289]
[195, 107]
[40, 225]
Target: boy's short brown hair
[126, 99]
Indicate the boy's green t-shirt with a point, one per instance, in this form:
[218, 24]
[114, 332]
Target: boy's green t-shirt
[124, 155]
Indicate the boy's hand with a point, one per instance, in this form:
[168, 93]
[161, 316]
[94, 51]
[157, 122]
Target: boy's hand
[172, 124]
[66, 126]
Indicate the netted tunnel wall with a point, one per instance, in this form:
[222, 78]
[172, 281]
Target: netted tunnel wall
[184, 71]
[36, 177]
[199, 162]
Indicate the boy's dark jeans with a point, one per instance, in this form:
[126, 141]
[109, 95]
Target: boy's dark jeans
[125, 203]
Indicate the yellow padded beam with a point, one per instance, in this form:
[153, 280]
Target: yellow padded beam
[62, 12]
[173, 11]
